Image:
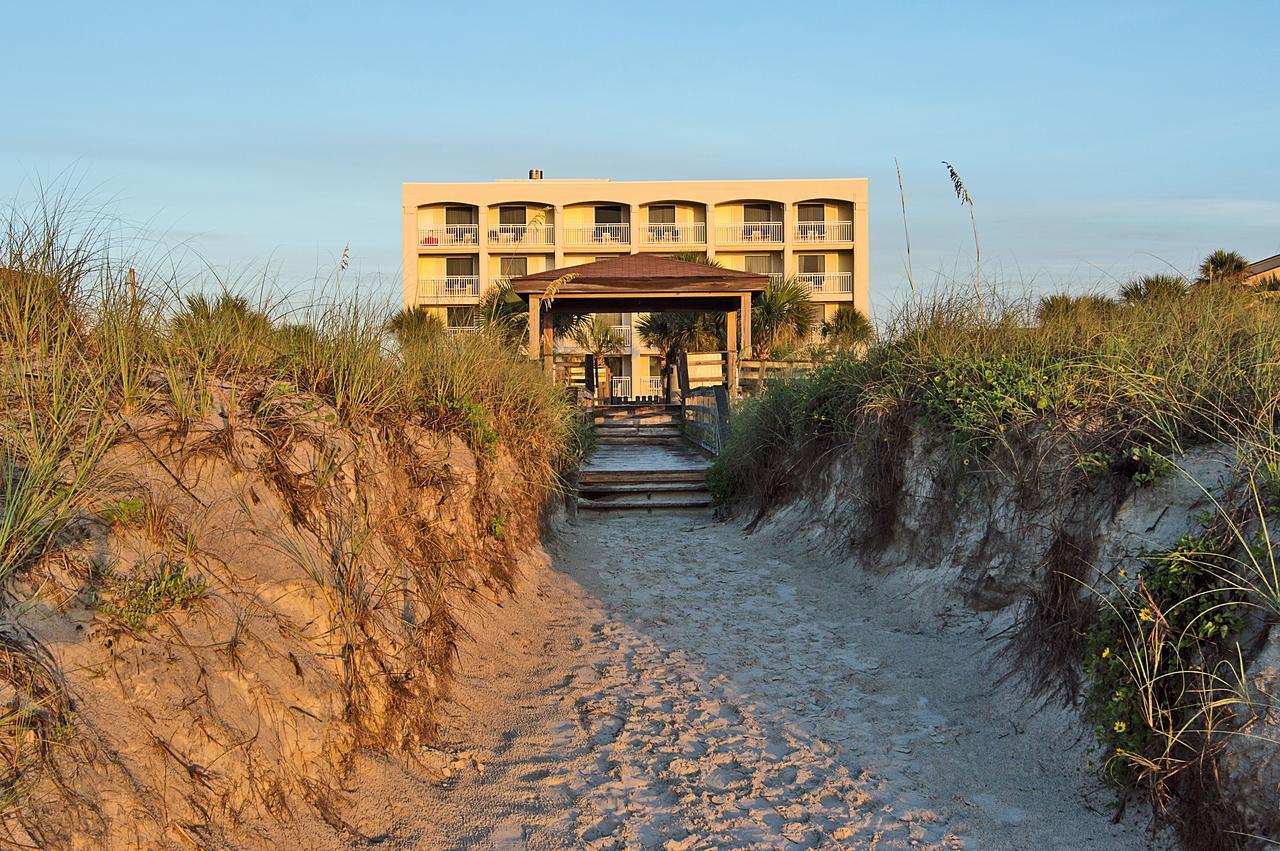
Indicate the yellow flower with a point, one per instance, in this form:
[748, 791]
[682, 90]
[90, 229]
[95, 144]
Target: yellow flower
[1145, 615]
[1119, 727]
[1106, 652]
[966, 462]
[1124, 574]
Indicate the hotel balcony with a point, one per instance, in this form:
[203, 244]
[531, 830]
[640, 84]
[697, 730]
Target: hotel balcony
[657, 233]
[538, 236]
[448, 235]
[828, 282]
[809, 232]
[753, 233]
[623, 331]
[454, 288]
[458, 330]
[598, 234]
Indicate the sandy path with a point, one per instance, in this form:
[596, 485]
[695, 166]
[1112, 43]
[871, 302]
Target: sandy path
[672, 683]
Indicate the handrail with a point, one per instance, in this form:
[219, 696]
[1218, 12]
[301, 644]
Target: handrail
[670, 233]
[449, 286]
[449, 235]
[598, 234]
[823, 231]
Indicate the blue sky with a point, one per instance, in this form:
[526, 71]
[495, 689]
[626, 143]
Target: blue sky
[1097, 140]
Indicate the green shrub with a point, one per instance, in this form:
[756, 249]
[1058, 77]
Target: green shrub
[982, 397]
[1149, 373]
[1153, 642]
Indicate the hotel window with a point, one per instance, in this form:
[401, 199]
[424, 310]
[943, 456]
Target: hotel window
[513, 267]
[813, 264]
[511, 224]
[460, 225]
[758, 264]
[812, 268]
[460, 276]
[609, 224]
[811, 219]
[758, 218]
[662, 223]
[458, 271]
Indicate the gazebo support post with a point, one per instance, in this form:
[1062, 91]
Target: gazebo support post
[548, 346]
[745, 311]
[731, 356]
[535, 323]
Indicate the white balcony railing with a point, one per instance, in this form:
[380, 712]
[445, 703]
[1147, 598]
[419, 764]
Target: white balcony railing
[828, 282]
[693, 233]
[749, 232]
[620, 387]
[653, 384]
[449, 235]
[623, 331]
[598, 234]
[452, 286]
[540, 235]
[824, 232]
[457, 330]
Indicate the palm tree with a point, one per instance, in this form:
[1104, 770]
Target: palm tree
[598, 338]
[781, 315]
[699, 257]
[1223, 267]
[678, 333]
[413, 325]
[1154, 288]
[848, 329]
[1062, 307]
[503, 313]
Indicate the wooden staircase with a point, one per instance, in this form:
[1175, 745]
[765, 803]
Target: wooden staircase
[642, 463]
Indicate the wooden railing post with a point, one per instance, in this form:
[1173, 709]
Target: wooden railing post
[722, 418]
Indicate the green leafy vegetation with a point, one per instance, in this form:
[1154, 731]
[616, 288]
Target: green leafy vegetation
[1136, 380]
[135, 600]
[130, 511]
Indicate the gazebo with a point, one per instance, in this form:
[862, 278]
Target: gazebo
[640, 283]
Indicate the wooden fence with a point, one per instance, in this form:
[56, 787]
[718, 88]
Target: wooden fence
[754, 375]
[706, 416]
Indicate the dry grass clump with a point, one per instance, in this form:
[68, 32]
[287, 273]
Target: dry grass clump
[324, 450]
[35, 717]
[1048, 645]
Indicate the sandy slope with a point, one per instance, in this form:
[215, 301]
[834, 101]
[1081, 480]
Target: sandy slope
[672, 683]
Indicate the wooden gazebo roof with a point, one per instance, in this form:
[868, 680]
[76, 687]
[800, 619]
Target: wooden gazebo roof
[642, 282]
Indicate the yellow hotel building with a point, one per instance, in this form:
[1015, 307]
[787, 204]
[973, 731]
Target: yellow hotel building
[460, 238]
